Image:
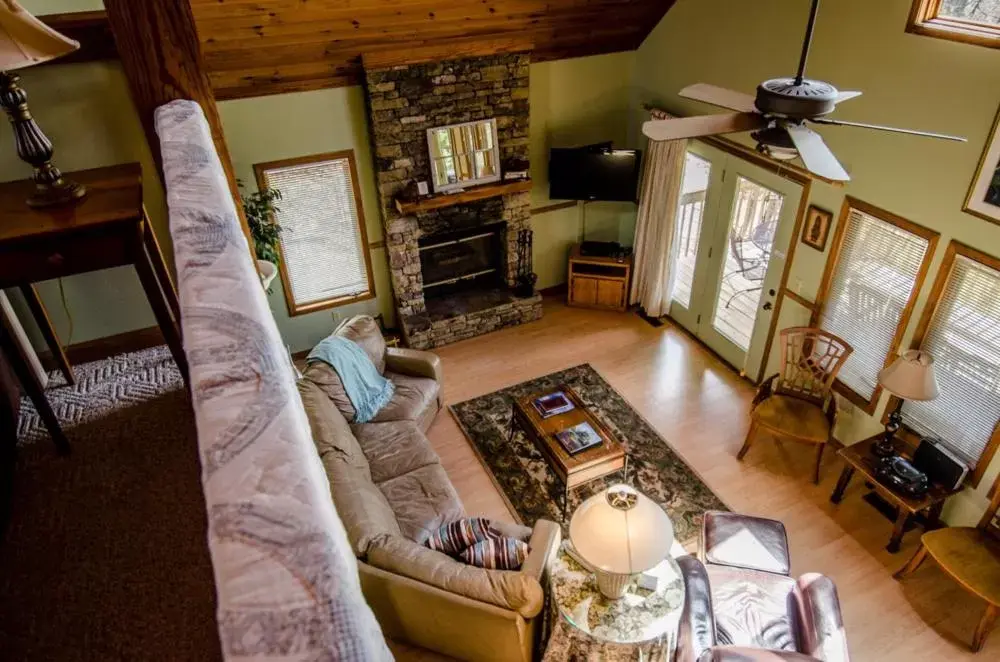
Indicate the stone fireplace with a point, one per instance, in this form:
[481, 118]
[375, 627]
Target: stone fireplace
[452, 267]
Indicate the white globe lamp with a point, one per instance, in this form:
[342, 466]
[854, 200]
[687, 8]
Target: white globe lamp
[620, 533]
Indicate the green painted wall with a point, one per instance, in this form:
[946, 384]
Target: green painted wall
[577, 102]
[908, 80]
[284, 126]
[86, 111]
[573, 102]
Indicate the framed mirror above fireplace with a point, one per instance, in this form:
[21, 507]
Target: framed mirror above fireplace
[463, 155]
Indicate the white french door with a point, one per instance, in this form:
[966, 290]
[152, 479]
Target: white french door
[732, 230]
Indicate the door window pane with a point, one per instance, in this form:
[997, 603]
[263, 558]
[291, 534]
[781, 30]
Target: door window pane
[688, 226]
[752, 224]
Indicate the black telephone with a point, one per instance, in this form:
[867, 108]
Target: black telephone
[899, 474]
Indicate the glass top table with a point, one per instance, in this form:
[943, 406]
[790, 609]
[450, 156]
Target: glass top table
[641, 625]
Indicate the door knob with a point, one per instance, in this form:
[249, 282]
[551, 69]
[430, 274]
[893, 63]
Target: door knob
[768, 305]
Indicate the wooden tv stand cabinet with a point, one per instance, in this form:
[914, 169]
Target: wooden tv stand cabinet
[598, 282]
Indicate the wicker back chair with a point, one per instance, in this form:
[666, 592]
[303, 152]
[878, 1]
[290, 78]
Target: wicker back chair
[797, 403]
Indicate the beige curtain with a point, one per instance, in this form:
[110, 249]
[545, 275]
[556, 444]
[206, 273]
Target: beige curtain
[654, 230]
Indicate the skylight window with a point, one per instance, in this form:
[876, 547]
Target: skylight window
[971, 21]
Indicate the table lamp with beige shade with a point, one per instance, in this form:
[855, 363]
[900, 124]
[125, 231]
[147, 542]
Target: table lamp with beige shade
[25, 41]
[620, 533]
[909, 377]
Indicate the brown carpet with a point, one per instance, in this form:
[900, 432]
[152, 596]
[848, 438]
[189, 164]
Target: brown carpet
[106, 557]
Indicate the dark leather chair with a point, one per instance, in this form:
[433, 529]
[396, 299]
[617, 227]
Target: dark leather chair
[741, 604]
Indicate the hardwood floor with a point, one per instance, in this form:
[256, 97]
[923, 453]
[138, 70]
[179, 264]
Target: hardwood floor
[699, 405]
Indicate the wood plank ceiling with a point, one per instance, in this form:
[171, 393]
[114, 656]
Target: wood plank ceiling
[257, 47]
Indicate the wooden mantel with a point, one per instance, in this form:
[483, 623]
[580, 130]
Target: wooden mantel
[471, 194]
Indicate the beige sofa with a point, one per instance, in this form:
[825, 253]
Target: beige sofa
[391, 493]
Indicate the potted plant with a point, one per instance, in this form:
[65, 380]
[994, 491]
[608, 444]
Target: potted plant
[265, 230]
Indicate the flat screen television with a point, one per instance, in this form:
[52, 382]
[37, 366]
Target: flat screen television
[587, 173]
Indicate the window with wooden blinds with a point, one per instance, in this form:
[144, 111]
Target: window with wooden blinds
[324, 248]
[875, 270]
[961, 330]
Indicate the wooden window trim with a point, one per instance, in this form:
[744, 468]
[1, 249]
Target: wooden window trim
[295, 309]
[911, 438]
[924, 20]
[864, 404]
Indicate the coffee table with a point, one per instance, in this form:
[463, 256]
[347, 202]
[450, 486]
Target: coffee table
[579, 468]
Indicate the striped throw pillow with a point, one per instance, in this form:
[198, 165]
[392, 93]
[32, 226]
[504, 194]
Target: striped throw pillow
[497, 554]
[458, 536]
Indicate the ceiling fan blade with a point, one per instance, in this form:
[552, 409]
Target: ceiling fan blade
[704, 125]
[815, 154]
[847, 95]
[720, 96]
[912, 132]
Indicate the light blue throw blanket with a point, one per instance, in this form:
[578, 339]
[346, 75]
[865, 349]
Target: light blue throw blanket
[367, 390]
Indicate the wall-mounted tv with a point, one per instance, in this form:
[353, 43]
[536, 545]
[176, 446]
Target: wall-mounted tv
[594, 173]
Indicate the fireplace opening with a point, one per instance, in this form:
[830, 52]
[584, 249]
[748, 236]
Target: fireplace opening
[472, 259]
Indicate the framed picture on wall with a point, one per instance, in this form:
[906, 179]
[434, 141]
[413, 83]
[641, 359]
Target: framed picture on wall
[816, 229]
[984, 194]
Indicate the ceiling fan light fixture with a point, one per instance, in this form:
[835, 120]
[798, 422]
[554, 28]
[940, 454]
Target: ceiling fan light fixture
[778, 153]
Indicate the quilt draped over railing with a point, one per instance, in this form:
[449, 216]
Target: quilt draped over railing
[286, 579]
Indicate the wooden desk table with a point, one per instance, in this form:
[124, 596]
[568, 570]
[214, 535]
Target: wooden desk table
[108, 228]
[859, 457]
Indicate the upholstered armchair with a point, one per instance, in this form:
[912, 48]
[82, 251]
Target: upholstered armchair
[741, 605]
[797, 403]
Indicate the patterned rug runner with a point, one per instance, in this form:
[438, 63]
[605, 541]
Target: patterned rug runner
[534, 491]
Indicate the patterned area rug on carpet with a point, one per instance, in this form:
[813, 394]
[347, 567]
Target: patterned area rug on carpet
[534, 491]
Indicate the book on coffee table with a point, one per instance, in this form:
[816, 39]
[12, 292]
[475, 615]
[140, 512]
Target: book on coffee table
[579, 438]
[553, 404]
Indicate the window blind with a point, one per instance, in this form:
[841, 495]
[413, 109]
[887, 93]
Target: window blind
[872, 283]
[322, 244]
[964, 339]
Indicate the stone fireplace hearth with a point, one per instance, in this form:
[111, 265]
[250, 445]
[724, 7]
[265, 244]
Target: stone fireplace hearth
[453, 267]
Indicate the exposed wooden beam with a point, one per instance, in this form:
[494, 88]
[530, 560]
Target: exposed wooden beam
[161, 57]
[260, 47]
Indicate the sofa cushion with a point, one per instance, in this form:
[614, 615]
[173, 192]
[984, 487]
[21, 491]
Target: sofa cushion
[394, 448]
[362, 507]
[742, 541]
[504, 588]
[752, 608]
[793, 416]
[413, 398]
[326, 378]
[423, 500]
[363, 329]
[330, 432]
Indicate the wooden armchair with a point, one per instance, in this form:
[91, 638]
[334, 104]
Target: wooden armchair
[798, 403]
[971, 556]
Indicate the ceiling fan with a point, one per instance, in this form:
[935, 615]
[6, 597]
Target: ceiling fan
[777, 116]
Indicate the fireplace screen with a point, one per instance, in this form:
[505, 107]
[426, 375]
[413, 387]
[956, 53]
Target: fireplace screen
[461, 260]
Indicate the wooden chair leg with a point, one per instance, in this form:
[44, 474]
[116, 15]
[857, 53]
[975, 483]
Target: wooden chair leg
[986, 624]
[751, 433]
[915, 562]
[819, 463]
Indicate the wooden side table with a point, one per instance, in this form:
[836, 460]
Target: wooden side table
[859, 457]
[598, 282]
[108, 228]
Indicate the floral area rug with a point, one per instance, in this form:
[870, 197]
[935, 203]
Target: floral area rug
[532, 488]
